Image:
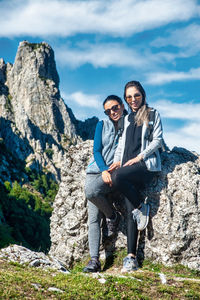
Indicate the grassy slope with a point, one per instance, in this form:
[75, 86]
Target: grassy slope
[18, 282]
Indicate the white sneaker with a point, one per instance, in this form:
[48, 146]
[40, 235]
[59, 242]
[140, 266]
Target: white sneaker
[129, 264]
[141, 216]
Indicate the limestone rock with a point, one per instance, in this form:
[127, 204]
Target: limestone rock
[23, 255]
[69, 219]
[86, 129]
[173, 233]
[2, 72]
[35, 123]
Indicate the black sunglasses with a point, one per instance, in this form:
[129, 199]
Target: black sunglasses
[113, 108]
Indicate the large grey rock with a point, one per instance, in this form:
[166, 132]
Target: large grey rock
[34, 121]
[173, 234]
[36, 125]
[23, 255]
[69, 219]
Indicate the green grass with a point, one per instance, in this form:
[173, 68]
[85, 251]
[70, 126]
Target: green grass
[175, 270]
[22, 282]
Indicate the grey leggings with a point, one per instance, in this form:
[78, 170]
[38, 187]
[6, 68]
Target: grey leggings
[96, 192]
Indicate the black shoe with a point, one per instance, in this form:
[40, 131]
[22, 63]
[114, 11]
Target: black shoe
[93, 266]
[112, 224]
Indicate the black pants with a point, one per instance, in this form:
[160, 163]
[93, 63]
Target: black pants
[129, 181]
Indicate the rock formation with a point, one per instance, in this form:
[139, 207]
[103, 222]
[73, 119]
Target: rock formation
[35, 124]
[69, 219]
[38, 129]
[23, 255]
[173, 233]
[34, 118]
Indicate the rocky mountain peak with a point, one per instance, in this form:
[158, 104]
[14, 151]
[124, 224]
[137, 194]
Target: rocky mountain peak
[36, 59]
[35, 124]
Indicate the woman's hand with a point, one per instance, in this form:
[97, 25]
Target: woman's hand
[133, 161]
[106, 177]
[115, 165]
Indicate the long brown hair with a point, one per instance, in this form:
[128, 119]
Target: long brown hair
[143, 112]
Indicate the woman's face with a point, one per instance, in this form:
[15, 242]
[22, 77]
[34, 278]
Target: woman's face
[113, 109]
[133, 98]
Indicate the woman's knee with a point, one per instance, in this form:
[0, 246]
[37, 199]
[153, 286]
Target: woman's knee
[117, 178]
[91, 193]
[94, 188]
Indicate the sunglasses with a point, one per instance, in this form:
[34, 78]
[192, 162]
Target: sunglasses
[114, 108]
[137, 96]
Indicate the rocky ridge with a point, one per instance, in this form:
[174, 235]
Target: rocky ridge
[36, 130]
[173, 233]
[35, 124]
[34, 118]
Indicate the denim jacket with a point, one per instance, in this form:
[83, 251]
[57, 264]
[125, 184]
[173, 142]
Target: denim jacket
[109, 138]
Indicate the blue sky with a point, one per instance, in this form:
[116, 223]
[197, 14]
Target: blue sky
[99, 45]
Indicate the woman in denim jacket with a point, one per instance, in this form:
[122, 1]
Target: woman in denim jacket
[98, 178]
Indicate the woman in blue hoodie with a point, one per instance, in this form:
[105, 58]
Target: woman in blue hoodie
[98, 178]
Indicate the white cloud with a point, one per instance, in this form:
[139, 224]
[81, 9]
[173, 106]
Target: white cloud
[183, 111]
[109, 54]
[180, 138]
[187, 135]
[101, 55]
[66, 18]
[83, 100]
[166, 77]
[187, 38]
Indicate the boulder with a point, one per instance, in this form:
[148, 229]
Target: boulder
[173, 233]
[22, 255]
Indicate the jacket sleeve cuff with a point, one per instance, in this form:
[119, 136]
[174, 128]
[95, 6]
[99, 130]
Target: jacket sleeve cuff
[103, 168]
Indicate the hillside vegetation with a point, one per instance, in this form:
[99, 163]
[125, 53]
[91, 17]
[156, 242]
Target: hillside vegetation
[26, 206]
[17, 282]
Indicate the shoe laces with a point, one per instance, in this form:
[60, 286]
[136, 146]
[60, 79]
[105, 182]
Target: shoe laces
[93, 263]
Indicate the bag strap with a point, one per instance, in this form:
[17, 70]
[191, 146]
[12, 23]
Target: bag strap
[163, 147]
